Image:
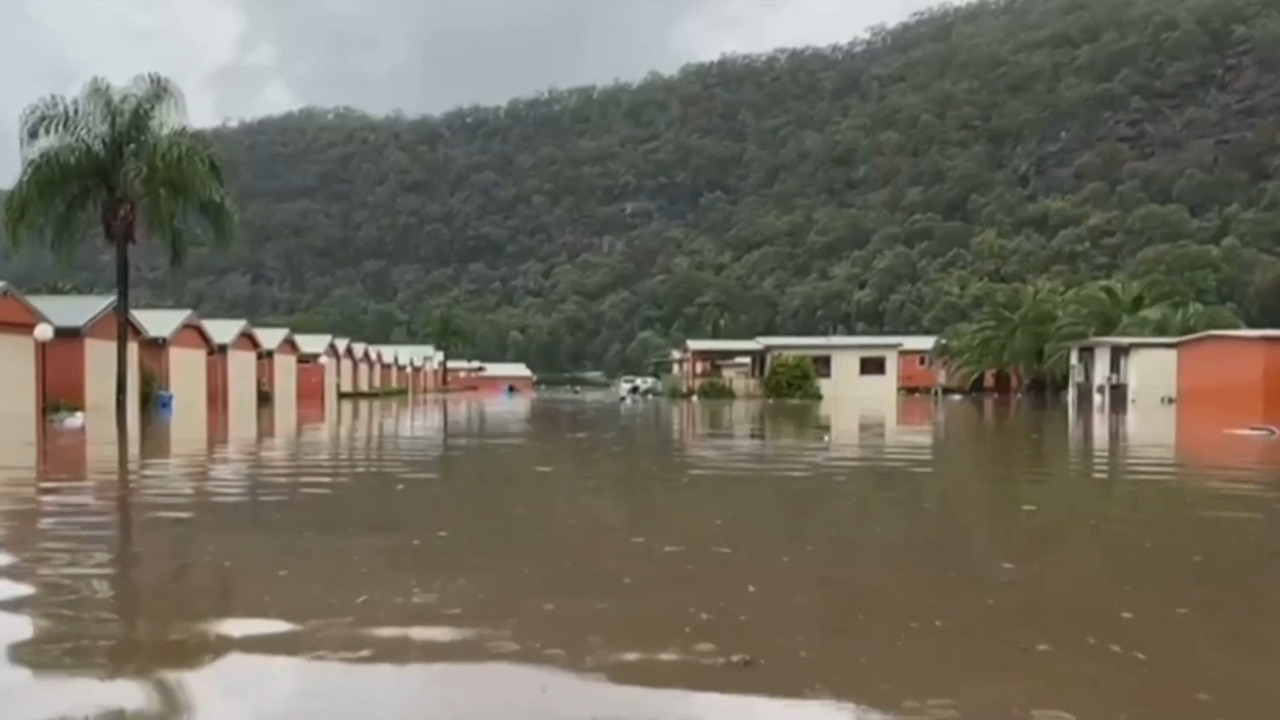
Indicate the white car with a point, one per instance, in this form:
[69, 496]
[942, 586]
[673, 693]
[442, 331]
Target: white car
[631, 386]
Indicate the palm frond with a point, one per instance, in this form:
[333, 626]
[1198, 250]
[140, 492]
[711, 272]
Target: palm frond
[55, 120]
[180, 178]
[55, 196]
[123, 155]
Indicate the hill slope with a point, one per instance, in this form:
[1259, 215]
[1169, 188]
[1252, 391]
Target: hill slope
[860, 188]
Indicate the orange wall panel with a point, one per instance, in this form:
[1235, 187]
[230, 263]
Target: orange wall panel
[915, 371]
[190, 337]
[216, 381]
[13, 312]
[311, 384]
[1270, 385]
[154, 356]
[496, 384]
[267, 372]
[64, 371]
[245, 342]
[1222, 376]
[105, 329]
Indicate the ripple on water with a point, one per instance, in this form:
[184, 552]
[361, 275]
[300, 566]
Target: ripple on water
[13, 590]
[430, 633]
[237, 628]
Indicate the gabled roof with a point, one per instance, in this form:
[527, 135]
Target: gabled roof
[313, 344]
[359, 350]
[506, 370]
[271, 338]
[463, 364]
[711, 345]
[341, 344]
[224, 331]
[415, 354]
[164, 323]
[8, 289]
[72, 312]
[401, 355]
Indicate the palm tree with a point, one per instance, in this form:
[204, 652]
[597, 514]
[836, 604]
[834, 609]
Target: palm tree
[448, 334]
[1112, 307]
[1020, 331]
[1188, 319]
[123, 158]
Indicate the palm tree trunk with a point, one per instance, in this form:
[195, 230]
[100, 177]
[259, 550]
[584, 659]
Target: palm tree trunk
[122, 342]
[444, 369]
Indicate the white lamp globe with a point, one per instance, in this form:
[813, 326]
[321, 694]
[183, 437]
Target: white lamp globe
[324, 359]
[43, 332]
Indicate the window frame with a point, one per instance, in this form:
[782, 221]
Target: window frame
[862, 365]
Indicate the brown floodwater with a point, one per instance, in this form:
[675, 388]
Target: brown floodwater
[570, 558]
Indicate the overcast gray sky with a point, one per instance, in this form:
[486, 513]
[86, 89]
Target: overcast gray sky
[245, 58]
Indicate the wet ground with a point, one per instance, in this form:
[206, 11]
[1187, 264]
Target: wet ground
[570, 558]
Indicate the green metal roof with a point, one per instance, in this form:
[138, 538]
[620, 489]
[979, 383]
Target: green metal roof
[224, 331]
[313, 344]
[162, 323]
[271, 338]
[71, 312]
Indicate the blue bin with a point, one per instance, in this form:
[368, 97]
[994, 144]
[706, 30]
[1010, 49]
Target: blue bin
[164, 402]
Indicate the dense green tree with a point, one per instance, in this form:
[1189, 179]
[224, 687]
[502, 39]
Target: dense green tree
[122, 159]
[450, 334]
[792, 377]
[891, 184]
[1027, 329]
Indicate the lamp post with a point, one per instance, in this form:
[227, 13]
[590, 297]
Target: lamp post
[42, 333]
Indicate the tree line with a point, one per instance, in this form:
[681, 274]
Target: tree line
[925, 178]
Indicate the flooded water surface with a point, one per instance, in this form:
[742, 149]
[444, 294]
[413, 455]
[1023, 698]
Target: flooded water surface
[569, 558]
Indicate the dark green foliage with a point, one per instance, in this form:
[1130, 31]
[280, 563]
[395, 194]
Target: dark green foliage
[791, 377]
[1027, 329]
[715, 390]
[882, 186]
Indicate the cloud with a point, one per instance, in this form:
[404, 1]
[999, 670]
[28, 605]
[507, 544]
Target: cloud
[245, 58]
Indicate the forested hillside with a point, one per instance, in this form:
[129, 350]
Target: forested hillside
[884, 185]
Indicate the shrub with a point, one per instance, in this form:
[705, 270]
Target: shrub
[716, 390]
[792, 378]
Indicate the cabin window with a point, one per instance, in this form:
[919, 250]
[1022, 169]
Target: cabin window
[922, 361]
[821, 365]
[872, 365]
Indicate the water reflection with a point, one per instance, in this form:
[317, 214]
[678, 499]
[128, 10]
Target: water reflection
[934, 559]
